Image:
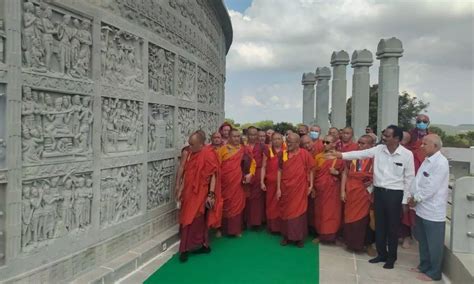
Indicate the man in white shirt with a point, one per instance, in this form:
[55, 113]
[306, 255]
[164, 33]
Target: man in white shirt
[429, 198]
[394, 172]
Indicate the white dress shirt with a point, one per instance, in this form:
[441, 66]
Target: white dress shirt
[391, 171]
[430, 189]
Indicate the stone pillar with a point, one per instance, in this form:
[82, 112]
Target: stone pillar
[388, 52]
[323, 74]
[339, 61]
[308, 82]
[361, 61]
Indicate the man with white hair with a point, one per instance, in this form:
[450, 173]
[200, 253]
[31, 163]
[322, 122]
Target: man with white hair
[429, 196]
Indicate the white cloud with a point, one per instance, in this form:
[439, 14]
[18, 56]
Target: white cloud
[250, 101]
[275, 41]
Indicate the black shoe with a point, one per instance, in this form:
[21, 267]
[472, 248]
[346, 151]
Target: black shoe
[203, 250]
[183, 257]
[388, 265]
[377, 259]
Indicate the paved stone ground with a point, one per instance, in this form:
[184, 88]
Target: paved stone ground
[336, 266]
[340, 266]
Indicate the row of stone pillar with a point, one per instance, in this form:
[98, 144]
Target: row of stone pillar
[316, 107]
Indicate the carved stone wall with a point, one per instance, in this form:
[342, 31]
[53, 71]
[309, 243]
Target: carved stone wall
[97, 98]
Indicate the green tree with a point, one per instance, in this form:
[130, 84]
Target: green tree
[232, 122]
[408, 107]
[436, 130]
[282, 127]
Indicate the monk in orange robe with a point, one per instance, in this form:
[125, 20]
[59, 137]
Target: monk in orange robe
[356, 178]
[346, 144]
[232, 156]
[307, 144]
[255, 203]
[268, 182]
[294, 184]
[196, 196]
[214, 218]
[224, 130]
[327, 205]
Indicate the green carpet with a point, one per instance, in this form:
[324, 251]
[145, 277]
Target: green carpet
[257, 257]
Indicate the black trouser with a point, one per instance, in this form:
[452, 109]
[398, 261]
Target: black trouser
[388, 207]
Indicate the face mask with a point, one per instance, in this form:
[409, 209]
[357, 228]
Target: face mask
[314, 135]
[422, 125]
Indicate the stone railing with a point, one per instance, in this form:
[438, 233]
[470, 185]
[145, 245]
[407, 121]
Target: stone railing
[462, 216]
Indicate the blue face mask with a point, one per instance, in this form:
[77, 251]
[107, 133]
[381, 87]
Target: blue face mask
[422, 125]
[314, 135]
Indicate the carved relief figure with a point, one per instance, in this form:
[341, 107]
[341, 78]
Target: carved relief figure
[186, 79]
[53, 207]
[160, 127]
[208, 122]
[51, 44]
[186, 118]
[121, 57]
[160, 70]
[203, 86]
[123, 124]
[160, 177]
[120, 194]
[53, 127]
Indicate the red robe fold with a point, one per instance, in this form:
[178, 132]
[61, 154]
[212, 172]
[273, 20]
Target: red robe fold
[271, 203]
[232, 193]
[255, 203]
[351, 146]
[214, 216]
[294, 195]
[328, 207]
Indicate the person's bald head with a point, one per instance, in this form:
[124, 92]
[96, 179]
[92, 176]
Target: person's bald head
[347, 134]
[333, 131]
[422, 122]
[293, 142]
[422, 117]
[234, 137]
[307, 143]
[329, 142]
[252, 134]
[406, 138]
[196, 141]
[277, 140]
[431, 144]
[262, 136]
[216, 139]
[365, 142]
[303, 129]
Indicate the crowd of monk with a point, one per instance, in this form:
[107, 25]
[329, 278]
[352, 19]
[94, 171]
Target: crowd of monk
[285, 181]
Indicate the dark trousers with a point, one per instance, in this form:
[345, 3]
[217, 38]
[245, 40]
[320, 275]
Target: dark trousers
[430, 236]
[388, 207]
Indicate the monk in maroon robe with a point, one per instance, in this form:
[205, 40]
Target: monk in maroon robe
[214, 218]
[232, 156]
[356, 178]
[294, 184]
[255, 203]
[307, 144]
[346, 144]
[197, 196]
[327, 206]
[268, 182]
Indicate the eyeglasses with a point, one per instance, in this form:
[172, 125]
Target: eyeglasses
[420, 121]
[327, 142]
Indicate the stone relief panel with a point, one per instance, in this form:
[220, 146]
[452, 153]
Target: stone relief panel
[122, 125]
[160, 70]
[160, 127]
[55, 41]
[3, 38]
[209, 122]
[160, 182]
[3, 124]
[186, 87]
[203, 86]
[3, 188]
[55, 126]
[214, 94]
[186, 118]
[120, 194]
[121, 57]
[53, 207]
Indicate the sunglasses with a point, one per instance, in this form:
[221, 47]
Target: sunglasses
[327, 142]
[420, 121]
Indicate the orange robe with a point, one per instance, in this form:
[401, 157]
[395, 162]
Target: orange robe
[214, 217]
[233, 192]
[357, 205]
[294, 194]
[350, 146]
[328, 207]
[272, 208]
[198, 170]
[318, 146]
[255, 203]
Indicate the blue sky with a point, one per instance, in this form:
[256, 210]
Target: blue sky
[275, 41]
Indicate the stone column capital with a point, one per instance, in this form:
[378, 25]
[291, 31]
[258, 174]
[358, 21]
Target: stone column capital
[339, 58]
[308, 79]
[323, 73]
[391, 47]
[362, 57]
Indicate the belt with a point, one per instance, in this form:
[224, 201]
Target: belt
[382, 189]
